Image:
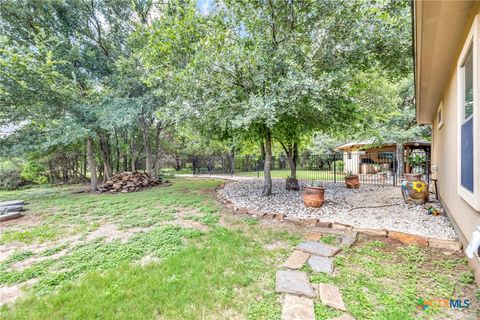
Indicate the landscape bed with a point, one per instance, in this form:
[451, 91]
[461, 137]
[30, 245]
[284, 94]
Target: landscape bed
[370, 206]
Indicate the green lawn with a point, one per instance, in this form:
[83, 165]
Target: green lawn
[204, 262]
[325, 175]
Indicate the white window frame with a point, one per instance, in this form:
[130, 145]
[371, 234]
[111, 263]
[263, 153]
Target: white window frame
[472, 198]
[440, 116]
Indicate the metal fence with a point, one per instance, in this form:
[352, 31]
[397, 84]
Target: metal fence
[379, 168]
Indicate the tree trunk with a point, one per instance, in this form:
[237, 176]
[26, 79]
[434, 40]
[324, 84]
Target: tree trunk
[400, 159]
[267, 184]
[148, 149]
[292, 154]
[106, 156]
[92, 165]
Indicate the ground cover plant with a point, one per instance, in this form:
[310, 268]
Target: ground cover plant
[174, 253]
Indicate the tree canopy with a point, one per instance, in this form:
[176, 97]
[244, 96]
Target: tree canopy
[132, 83]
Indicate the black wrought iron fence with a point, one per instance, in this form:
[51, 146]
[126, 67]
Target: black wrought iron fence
[380, 168]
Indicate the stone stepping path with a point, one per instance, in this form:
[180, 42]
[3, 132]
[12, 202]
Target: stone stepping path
[296, 260]
[318, 248]
[349, 239]
[294, 282]
[331, 296]
[298, 292]
[321, 264]
[298, 308]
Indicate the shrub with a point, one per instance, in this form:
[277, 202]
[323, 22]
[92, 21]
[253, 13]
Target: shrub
[10, 178]
[338, 165]
[34, 172]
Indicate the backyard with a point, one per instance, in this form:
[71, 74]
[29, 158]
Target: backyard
[174, 252]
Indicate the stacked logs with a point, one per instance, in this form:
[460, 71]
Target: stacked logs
[129, 182]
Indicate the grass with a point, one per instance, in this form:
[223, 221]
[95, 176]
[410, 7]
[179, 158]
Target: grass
[326, 175]
[225, 270]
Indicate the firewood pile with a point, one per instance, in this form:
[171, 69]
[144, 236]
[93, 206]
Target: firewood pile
[129, 182]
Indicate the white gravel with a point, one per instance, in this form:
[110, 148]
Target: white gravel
[338, 207]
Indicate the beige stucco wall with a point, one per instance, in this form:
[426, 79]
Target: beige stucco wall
[444, 155]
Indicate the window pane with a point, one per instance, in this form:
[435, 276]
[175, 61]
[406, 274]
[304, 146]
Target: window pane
[467, 155]
[468, 93]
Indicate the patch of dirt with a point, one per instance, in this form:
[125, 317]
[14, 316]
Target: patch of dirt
[8, 295]
[148, 259]
[277, 245]
[110, 232]
[188, 224]
[27, 219]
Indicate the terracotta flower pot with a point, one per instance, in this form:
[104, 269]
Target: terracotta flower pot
[352, 182]
[292, 184]
[313, 197]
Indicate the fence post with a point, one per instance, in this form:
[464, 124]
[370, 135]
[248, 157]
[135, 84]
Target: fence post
[427, 167]
[395, 165]
[258, 168]
[335, 168]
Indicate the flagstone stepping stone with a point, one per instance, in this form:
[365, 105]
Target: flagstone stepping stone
[331, 296]
[296, 260]
[297, 308]
[294, 282]
[317, 248]
[321, 264]
[349, 239]
[11, 209]
[344, 316]
[10, 216]
[12, 203]
[314, 236]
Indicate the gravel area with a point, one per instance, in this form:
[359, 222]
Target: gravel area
[344, 205]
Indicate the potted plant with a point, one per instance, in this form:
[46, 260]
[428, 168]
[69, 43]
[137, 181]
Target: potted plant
[292, 183]
[314, 195]
[352, 181]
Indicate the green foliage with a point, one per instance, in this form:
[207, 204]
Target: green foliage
[34, 172]
[10, 178]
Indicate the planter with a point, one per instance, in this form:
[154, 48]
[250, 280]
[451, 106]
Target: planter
[352, 182]
[414, 190]
[313, 197]
[292, 184]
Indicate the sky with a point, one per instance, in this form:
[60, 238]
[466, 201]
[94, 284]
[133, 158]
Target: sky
[205, 6]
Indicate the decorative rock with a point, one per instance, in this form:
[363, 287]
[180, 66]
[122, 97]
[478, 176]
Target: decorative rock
[321, 264]
[344, 316]
[10, 216]
[323, 224]
[279, 216]
[11, 208]
[296, 259]
[372, 232]
[341, 226]
[12, 203]
[314, 236]
[318, 248]
[331, 297]
[445, 244]
[294, 282]
[308, 222]
[297, 308]
[408, 238]
[330, 231]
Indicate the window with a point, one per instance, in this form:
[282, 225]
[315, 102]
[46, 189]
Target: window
[466, 124]
[468, 120]
[440, 115]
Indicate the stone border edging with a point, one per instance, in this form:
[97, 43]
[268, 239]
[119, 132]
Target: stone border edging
[339, 228]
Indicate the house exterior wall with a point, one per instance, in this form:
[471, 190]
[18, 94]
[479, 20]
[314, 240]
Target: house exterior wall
[351, 162]
[445, 146]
